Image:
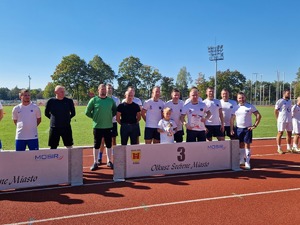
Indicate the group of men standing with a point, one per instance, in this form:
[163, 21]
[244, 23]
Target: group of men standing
[164, 121]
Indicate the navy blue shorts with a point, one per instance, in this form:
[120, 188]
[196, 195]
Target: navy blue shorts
[244, 135]
[195, 136]
[151, 133]
[33, 144]
[214, 131]
[129, 131]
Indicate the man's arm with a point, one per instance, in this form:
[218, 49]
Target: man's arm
[1, 114]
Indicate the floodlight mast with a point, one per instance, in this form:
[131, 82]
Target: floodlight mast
[29, 78]
[215, 54]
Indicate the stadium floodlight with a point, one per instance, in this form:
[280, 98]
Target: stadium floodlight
[29, 77]
[216, 53]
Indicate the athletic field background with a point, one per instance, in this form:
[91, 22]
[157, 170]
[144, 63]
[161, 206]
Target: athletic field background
[83, 132]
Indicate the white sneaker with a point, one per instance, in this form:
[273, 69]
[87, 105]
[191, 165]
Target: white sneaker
[247, 166]
[279, 151]
[242, 161]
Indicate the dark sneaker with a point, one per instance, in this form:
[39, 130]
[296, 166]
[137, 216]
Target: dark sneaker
[109, 164]
[94, 167]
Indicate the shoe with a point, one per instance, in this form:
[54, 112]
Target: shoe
[242, 162]
[109, 164]
[247, 166]
[279, 151]
[99, 162]
[290, 150]
[94, 167]
[297, 150]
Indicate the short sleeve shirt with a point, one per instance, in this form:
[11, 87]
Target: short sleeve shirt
[284, 106]
[154, 112]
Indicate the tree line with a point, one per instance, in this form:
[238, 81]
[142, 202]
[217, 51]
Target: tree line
[81, 81]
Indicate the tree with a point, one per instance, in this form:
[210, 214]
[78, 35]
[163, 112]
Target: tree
[72, 74]
[233, 81]
[4, 93]
[99, 73]
[49, 90]
[149, 77]
[167, 85]
[201, 84]
[129, 75]
[183, 80]
[14, 93]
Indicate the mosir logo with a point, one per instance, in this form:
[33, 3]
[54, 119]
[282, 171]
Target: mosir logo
[48, 156]
[216, 147]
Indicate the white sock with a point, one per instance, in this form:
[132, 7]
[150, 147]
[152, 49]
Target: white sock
[278, 146]
[242, 154]
[248, 155]
[295, 145]
[108, 154]
[95, 154]
[288, 146]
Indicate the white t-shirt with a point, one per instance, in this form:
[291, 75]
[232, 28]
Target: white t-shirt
[296, 119]
[117, 101]
[176, 112]
[214, 106]
[154, 112]
[26, 117]
[195, 112]
[168, 126]
[243, 115]
[284, 107]
[227, 110]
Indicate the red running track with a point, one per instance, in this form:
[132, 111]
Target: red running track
[268, 194]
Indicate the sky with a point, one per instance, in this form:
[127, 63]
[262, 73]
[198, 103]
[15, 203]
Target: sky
[260, 38]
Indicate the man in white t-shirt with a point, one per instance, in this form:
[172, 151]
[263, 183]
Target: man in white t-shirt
[227, 107]
[214, 124]
[176, 106]
[114, 134]
[283, 116]
[152, 114]
[26, 117]
[296, 125]
[197, 113]
[242, 114]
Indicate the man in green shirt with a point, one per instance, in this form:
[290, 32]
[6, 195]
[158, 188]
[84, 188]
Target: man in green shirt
[101, 109]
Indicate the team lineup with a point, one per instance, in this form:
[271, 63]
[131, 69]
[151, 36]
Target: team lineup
[203, 119]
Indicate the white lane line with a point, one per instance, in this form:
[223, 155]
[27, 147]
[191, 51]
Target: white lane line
[158, 205]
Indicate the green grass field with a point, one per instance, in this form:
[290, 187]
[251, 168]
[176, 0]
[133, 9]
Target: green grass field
[83, 134]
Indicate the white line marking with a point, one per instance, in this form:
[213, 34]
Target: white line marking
[160, 205]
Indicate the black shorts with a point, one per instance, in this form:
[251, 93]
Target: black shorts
[214, 131]
[195, 136]
[178, 136]
[227, 133]
[56, 132]
[102, 133]
[151, 133]
[114, 132]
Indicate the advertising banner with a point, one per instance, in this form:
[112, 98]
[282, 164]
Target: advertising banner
[33, 168]
[156, 159]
